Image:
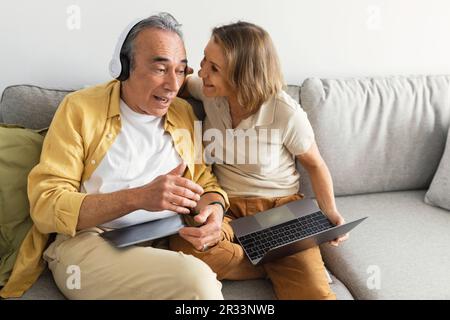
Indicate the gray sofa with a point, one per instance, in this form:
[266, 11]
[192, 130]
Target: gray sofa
[382, 139]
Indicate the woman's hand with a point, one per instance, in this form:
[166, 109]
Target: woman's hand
[209, 234]
[337, 220]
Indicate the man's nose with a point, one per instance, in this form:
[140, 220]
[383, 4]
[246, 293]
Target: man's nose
[172, 82]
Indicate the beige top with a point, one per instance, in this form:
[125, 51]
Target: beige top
[257, 158]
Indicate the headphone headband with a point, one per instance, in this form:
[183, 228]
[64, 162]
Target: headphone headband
[115, 66]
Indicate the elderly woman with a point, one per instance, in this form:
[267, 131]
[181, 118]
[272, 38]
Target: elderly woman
[240, 85]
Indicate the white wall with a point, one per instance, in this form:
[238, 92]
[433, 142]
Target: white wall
[324, 38]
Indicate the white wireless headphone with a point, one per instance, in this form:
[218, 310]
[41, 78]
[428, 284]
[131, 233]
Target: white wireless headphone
[115, 66]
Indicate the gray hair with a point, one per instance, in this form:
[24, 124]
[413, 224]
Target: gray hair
[162, 20]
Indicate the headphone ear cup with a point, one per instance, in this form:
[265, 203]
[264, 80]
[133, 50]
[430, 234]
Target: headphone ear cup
[114, 68]
[125, 72]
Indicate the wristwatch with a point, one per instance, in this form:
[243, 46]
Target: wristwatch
[219, 203]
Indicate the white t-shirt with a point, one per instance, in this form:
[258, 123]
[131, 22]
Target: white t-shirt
[256, 159]
[142, 151]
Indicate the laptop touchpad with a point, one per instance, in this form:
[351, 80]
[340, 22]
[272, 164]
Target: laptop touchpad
[274, 216]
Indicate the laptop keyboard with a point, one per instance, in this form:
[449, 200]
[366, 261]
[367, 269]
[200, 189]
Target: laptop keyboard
[258, 243]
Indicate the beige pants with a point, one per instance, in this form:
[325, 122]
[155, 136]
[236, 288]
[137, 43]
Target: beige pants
[136, 272]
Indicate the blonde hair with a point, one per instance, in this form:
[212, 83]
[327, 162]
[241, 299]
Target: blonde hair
[254, 70]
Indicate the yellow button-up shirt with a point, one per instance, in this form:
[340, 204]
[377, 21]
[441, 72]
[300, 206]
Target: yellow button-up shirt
[83, 129]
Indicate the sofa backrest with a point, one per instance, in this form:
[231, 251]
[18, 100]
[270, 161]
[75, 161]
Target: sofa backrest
[378, 134]
[30, 106]
[33, 107]
[375, 135]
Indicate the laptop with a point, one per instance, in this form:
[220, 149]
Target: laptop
[142, 232]
[285, 230]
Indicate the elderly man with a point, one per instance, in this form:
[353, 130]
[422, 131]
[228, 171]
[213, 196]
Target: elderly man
[111, 150]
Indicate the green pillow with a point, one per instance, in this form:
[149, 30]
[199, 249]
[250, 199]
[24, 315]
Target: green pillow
[20, 150]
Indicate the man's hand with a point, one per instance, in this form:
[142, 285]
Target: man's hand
[170, 192]
[337, 220]
[210, 233]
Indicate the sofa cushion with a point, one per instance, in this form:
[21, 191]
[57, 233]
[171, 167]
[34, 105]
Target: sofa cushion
[19, 153]
[380, 134]
[30, 106]
[293, 91]
[400, 252]
[439, 192]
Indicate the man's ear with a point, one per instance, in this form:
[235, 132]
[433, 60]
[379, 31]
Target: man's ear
[183, 92]
[188, 70]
